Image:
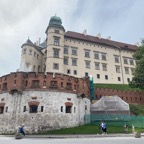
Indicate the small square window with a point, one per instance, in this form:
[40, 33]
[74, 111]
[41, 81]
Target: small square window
[56, 66]
[68, 109]
[86, 74]
[119, 78]
[106, 77]
[98, 76]
[75, 72]
[68, 71]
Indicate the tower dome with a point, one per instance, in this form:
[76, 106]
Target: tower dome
[55, 20]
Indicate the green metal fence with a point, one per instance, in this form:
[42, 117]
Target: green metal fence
[115, 120]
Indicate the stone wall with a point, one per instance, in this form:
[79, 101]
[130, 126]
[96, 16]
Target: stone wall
[51, 113]
[42, 101]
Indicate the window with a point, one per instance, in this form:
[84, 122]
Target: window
[24, 51]
[26, 83]
[125, 61]
[126, 70]
[74, 51]
[74, 62]
[35, 83]
[96, 55]
[104, 67]
[14, 81]
[103, 56]
[42, 108]
[65, 50]
[75, 72]
[61, 84]
[37, 56]
[128, 79]
[86, 74]
[87, 64]
[33, 109]
[74, 109]
[61, 108]
[4, 86]
[6, 109]
[56, 66]
[66, 60]
[87, 53]
[34, 54]
[117, 69]
[68, 109]
[132, 70]
[56, 41]
[116, 59]
[119, 78]
[68, 71]
[131, 62]
[57, 31]
[97, 66]
[106, 77]
[98, 76]
[1, 109]
[44, 83]
[30, 52]
[24, 109]
[56, 53]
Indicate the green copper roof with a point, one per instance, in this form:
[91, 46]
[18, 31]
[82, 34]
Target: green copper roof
[55, 20]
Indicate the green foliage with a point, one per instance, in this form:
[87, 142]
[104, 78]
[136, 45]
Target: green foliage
[125, 87]
[138, 79]
[137, 109]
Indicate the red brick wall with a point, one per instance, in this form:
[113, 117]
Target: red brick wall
[128, 96]
[58, 82]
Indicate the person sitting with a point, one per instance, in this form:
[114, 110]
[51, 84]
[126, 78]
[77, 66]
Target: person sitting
[21, 130]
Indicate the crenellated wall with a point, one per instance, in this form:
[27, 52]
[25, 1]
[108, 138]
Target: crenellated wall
[21, 81]
[128, 96]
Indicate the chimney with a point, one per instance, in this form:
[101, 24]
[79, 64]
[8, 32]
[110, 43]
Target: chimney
[39, 40]
[85, 32]
[109, 37]
[98, 35]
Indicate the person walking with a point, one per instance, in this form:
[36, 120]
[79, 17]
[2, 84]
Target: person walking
[104, 128]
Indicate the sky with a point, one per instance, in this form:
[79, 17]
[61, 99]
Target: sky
[19, 19]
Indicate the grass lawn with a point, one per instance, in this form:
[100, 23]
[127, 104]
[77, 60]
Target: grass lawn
[90, 129]
[116, 87]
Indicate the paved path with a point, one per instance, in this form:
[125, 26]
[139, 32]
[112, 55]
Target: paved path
[97, 140]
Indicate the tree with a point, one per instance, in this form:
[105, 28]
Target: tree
[138, 75]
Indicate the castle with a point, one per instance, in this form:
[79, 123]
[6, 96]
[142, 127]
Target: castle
[79, 55]
[51, 89]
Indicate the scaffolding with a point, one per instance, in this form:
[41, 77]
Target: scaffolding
[110, 108]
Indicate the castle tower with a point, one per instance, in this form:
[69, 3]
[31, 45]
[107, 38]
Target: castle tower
[55, 43]
[31, 57]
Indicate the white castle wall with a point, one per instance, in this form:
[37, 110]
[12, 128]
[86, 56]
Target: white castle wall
[51, 117]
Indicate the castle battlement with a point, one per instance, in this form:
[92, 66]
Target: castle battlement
[21, 81]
